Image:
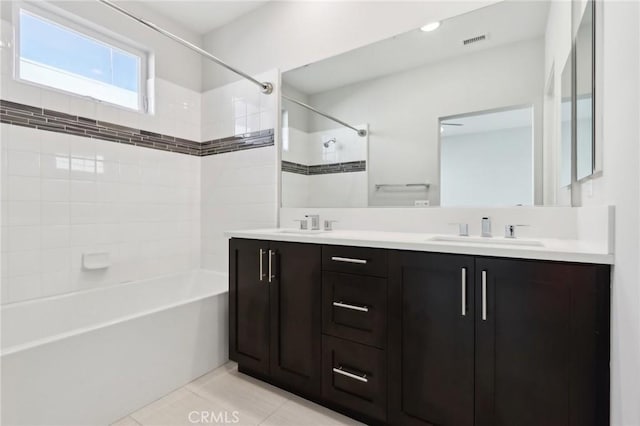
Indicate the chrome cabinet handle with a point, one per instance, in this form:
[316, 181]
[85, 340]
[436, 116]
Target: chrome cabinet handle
[362, 378]
[352, 307]
[484, 295]
[348, 260]
[261, 268]
[271, 276]
[464, 292]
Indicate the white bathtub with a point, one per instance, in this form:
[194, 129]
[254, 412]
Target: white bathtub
[93, 357]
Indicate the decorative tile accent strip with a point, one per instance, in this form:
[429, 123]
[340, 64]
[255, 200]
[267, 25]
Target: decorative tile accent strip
[44, 119]
[301, 169]
[323, 169]
[238, 143]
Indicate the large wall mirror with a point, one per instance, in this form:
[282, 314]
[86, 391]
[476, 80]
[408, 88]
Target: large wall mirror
[469, 111]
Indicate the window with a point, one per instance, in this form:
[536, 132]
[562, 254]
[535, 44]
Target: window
[79, 60]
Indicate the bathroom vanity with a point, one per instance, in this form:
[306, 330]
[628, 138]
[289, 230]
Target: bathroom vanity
[405, 329]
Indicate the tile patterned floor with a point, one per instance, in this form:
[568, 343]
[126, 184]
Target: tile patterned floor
[243, 399]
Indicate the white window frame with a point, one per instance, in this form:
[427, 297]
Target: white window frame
[89, 30]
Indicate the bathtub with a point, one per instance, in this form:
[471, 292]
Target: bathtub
[92, 357]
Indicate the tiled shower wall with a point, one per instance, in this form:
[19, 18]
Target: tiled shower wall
[64, 195]
[239, 189]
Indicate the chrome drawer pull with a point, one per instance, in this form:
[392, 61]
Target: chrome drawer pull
[261, 267]
[271, 276]
[348, 260]
[362, 378]
[484, 295]
[352, 307]
[464, 292]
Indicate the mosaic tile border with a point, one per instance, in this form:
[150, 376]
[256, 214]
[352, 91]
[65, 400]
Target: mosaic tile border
[49, 120]
[324, 169]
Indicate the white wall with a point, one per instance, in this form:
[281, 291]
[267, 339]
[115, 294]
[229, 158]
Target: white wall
[403, 110]
[290, 34]
[474, 166]
[620, 185]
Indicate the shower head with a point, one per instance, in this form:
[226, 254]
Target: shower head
[329, 142]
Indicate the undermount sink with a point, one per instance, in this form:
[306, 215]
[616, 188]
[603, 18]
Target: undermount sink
[486, 240]
[301, 231]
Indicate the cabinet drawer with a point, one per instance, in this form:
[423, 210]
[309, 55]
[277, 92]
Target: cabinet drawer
[355, 260]
[354, 307]
[354, 376]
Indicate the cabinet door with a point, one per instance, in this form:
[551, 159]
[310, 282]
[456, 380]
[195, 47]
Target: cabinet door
[541, 343]
[296, 323]
[431, 334]
[249, 304]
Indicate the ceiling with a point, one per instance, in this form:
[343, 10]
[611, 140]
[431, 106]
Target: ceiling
[503, 23]
[204, 15]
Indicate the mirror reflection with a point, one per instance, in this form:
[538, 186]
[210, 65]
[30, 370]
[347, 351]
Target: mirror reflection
[585, 157]
[453, 116]
[566, 113]
[477, 152]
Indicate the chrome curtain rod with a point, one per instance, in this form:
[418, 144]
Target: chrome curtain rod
[265, 87]
[360, 132]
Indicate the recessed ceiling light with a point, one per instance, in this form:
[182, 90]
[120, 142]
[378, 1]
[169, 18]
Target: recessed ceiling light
[431, 26]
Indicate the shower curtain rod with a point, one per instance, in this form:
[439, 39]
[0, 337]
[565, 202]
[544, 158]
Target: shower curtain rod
[265, 87]
[360, 132]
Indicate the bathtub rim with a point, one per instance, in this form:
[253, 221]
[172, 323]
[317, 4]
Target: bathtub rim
[100, 325]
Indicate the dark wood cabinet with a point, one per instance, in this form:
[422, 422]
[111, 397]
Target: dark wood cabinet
[249, 305]
[296, 320]
[431, 339]
[531, 349]
[275, 315]
[542, 343]
[416, 338]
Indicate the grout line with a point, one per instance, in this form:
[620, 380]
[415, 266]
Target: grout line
[286, 399]
[135, 421]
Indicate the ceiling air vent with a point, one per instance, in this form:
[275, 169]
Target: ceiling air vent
[474, 39]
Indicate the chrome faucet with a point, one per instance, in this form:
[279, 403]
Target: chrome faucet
[486, 227]
[315, 221]
[328, 225]
[463, 229]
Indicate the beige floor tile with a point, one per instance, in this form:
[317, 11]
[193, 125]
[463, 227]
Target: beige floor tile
[225, 396]
[252, 399]
[126, 421]
[182, 407]
[300, 412]
[230, 367]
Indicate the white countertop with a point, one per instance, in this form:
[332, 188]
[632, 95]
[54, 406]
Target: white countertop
[551, 249]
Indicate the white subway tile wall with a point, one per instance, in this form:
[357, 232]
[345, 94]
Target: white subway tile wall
[65, 195]
[239, 189]
[238, 192]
